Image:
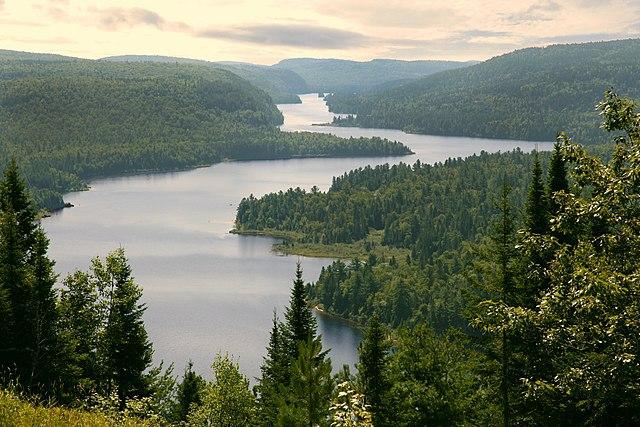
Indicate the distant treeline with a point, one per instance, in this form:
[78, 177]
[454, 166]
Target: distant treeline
[529, 94]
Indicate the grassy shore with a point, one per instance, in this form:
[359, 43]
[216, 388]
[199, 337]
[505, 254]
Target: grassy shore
[293, 244]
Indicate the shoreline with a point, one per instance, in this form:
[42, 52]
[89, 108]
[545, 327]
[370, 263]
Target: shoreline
[350, 322]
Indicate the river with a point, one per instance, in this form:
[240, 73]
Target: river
[209, 291]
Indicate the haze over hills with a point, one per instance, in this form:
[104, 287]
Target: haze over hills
[281, 84]
[329, 75]
[528, 94]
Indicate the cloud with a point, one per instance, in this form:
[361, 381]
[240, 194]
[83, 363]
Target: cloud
[391, 13]
[297, 35]
[540, 11]
[584, 38]
[115, 18]
[1, 4]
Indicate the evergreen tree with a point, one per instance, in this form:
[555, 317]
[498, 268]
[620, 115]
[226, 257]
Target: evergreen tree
[373, 353]
[306, 401]
[14, 196]
[190, 391]
[127, 350]
[15, 285]
[557, 178]
[275, 375]
[504, 250]
[300, 324]
[536, 209]
[43, 316]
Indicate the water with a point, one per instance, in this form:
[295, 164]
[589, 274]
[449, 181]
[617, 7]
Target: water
[209, 291]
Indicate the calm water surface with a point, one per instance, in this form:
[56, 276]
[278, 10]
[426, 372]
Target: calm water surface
[209, 291]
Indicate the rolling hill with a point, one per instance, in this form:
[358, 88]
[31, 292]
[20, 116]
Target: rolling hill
[69, 121]
[529, 94]
[281, 84]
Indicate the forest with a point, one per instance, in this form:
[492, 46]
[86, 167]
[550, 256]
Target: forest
[529, 94]
[544, 333]
[282, 85]
[68, 120]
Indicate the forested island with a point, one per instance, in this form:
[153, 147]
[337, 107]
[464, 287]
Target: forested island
[69, 120]
[530, 320]
[529, 94]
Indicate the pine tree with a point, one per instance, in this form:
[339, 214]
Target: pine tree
[14, 284]
[504, 247]
[44, 346]
[127, 350]
[190, 392]
[14, 196]
[275, 375]
[300, 324]
[537, 208]
[306, 401]
[373, 353]
[557, 178]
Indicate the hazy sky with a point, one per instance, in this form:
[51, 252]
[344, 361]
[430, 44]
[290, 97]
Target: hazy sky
[265, 31]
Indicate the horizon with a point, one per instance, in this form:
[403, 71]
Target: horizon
[359, 31]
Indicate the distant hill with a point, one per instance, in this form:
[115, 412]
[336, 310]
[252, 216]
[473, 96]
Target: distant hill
[31, 56]
[529, 94]
[281, 84]
[330, 75]
[70, 121]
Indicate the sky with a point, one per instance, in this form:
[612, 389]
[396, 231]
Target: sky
[266, 31]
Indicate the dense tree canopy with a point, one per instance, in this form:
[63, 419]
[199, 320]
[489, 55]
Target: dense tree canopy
[68, 121]
[529, 94]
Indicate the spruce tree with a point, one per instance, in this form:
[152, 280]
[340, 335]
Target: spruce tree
[537, 208]
[306, 401]
[15, 285]
[42, 316]
[300, 324]
[373, 353]
[189, 393]
[504, 252]
[127, 350]
[557, 178]
[14, 196]
[275, 375]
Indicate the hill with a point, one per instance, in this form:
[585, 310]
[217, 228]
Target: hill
[529, 94]
[330, 75]
[69, 121]
[281, 84]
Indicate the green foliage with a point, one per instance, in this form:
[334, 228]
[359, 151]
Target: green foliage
[373, 356]
[226, 400]
[428, 209]
[435, 381]
[190, 392]
[305, 402]
[587, 317]
[282, 85]
[69, 121]
[529, 94]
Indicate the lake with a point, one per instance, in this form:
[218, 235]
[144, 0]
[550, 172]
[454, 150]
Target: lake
[209, 291]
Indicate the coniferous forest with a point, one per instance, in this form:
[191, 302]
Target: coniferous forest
[68, 120]
[515, 303]
[529, 94]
